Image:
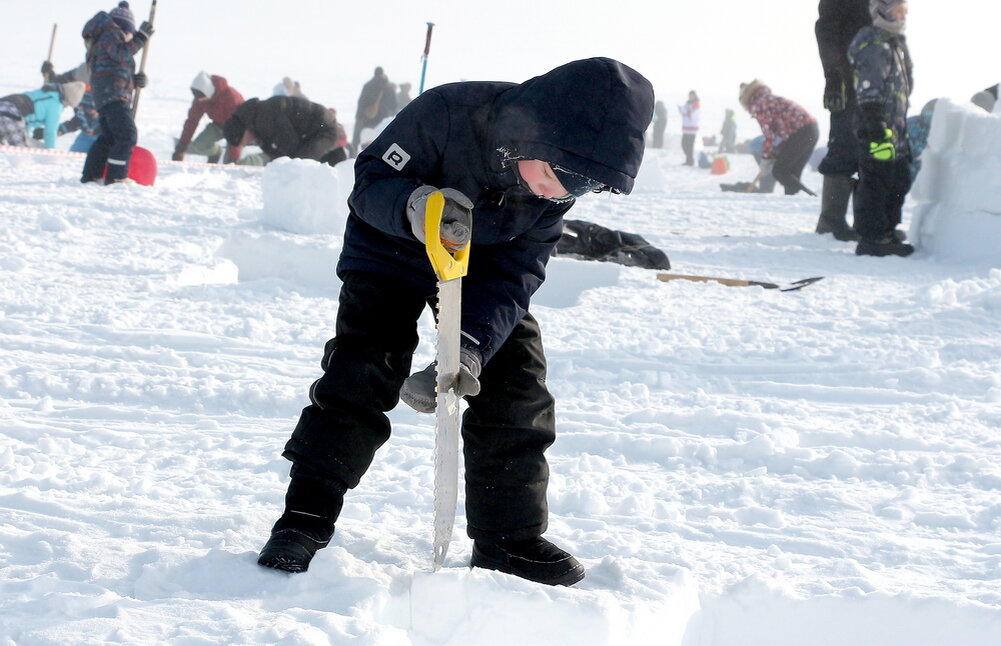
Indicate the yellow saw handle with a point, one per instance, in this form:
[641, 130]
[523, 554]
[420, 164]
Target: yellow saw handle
[446, 266]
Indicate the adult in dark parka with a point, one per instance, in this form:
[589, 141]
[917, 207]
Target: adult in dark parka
[285, 126]
[510, 159]
[836, 26]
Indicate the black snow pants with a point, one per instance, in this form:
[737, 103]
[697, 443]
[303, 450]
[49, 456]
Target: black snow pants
[879, 195]
[688, 146]
[792, 157]
[842, 156]
[114, 146]
[506, 428]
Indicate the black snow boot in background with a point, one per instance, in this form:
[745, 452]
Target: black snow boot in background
[836, 193]
[535, 559]
[888, 245]
[312, 505]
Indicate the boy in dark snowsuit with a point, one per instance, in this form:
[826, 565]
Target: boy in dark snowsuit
[837, 25]
[883, 83]
[510, 160]
[285, 126]
[112, 41]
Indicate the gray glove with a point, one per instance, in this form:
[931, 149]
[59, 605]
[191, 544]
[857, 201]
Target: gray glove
[456, 218]
[419, 390]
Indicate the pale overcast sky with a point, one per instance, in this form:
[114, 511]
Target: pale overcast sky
[332, 46]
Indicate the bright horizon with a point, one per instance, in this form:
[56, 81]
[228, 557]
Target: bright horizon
[710, 47]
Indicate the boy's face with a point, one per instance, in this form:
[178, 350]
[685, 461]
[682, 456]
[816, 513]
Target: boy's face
[899, 11]
[541, 179]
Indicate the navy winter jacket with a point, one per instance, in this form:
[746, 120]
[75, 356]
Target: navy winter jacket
[837, 24]
[587, 116]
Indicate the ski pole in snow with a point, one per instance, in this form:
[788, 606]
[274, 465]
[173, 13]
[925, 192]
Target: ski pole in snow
[52, 48]
[424, 57]
[142, 63]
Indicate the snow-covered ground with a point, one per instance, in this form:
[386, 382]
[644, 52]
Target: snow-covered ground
[735, 466]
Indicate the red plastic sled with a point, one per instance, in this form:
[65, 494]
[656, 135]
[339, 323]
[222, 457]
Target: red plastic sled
[142, 167]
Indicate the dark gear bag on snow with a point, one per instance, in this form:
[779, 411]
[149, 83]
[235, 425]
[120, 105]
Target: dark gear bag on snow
[588, 241]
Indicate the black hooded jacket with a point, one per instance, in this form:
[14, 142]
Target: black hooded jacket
[839, 22]
[288, 126]
[587, 116]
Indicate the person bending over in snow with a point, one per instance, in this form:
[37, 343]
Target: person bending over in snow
[212, 96]
[112, 40]
[284, 126]
[510, 160]
[781, 119]
[883, 83]
[37, 110]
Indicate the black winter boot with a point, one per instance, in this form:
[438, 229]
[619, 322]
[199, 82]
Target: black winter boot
[888, 245]
[834, 198]
[312, 505]
[535, 559]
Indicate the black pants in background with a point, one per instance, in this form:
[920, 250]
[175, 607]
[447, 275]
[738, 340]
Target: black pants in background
[879, 195]
[792, 157]
[688, 145]
[842, 156]
[506, 428]
[114, 147]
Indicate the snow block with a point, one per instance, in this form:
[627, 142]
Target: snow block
[568, 278]
[305, 196]
[957, 195]
[304, 261]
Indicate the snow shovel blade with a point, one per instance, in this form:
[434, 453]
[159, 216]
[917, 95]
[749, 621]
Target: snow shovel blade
[800, 284]
[450, 270]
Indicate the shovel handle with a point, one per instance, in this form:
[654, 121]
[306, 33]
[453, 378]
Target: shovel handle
[446, 266]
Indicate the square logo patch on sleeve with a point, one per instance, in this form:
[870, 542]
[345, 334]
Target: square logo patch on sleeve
[396, 157]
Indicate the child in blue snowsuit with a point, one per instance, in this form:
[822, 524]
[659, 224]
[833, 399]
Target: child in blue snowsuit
[112, 40]
[38, 109]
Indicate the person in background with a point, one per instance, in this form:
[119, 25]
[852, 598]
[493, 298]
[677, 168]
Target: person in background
[288, 87]
[689, 126]
[510, 160]
[85, 120]
[284, 126]
[212, 96]
[781, 119]
[883, 84]
[376, 102]
[112, 41]
[918, 129]
[41, 110]
[837, 24]
[728, 143]
[659, 124]
[403, 96]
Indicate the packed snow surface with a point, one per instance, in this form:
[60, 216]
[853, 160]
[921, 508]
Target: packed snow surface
[735, 466]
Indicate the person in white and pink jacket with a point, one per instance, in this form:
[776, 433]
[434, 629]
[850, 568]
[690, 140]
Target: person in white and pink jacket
[689, 126]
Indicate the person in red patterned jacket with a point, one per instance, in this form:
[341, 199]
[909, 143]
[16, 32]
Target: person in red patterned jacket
[212, 96]
[782, 119]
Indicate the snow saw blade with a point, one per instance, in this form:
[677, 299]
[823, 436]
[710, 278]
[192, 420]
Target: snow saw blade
[450, 270]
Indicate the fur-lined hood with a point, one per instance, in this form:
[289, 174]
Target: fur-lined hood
[751, 91]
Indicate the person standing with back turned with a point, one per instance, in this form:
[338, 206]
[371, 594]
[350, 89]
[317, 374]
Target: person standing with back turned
[836, 26]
